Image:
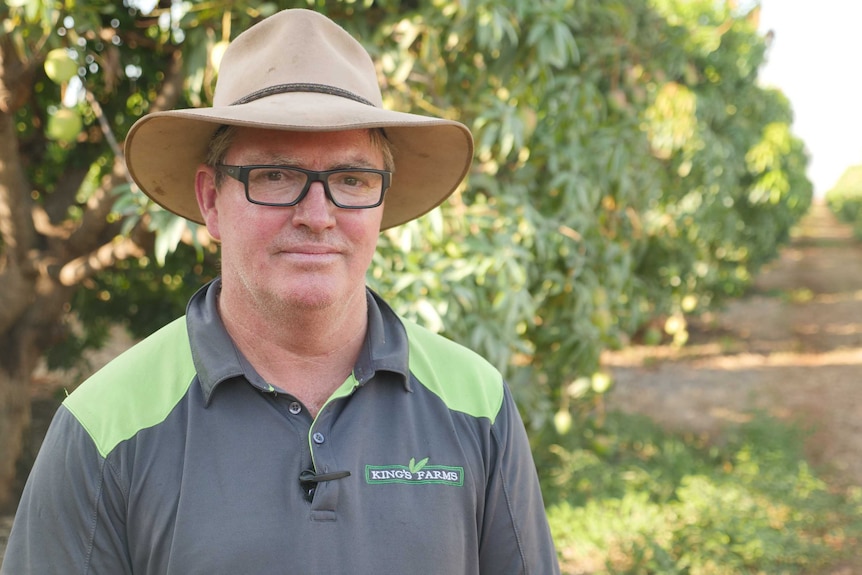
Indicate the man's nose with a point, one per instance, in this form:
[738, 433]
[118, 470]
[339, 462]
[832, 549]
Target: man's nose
[315, 210]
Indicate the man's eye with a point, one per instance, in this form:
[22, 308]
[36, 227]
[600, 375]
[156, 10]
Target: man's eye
[354, 180]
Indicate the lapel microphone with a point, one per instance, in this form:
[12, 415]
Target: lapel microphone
[309, 479]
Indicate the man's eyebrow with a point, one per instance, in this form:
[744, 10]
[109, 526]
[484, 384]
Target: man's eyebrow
[270, 160]
[358, 163]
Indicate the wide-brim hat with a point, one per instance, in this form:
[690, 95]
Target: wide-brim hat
[297, 70]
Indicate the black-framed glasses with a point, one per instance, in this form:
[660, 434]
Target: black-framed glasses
[350, 188]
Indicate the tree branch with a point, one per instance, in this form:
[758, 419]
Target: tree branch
[172, 88]
[57, 202]
[77, 270]
[15, 77]
[86, 261]
[94, 221]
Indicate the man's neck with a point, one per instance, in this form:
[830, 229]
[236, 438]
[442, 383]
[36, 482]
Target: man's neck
[307, 353]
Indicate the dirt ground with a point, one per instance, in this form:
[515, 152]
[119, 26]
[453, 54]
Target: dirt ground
[793, 349]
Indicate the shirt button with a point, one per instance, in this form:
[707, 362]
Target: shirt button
[294, 408]
[318, 438]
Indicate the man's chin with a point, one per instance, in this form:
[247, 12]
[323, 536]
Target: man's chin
[309, 296]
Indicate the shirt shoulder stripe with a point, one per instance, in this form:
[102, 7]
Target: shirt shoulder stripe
[136, 390]
[463, 379]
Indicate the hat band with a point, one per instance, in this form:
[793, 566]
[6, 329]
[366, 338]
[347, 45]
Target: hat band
[286, 88]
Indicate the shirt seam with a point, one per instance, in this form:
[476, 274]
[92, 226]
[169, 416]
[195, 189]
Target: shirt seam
[505, 487]
[111, 468]
[94, 519]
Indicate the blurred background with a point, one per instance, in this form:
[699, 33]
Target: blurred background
[657, 245]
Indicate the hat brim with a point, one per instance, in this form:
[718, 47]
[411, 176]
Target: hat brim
[432, 155]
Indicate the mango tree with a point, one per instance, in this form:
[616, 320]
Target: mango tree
[627, 167]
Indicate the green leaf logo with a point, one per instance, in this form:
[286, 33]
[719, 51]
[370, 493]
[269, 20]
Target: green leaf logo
[414, 467]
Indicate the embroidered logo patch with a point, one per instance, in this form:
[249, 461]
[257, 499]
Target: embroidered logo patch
[416, 472]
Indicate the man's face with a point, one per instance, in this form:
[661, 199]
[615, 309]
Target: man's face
[308, 256]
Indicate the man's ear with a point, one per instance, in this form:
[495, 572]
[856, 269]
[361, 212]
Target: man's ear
[206, 193]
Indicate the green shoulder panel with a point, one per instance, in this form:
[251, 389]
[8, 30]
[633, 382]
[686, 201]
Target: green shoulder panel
[136, 390]
[463, 379]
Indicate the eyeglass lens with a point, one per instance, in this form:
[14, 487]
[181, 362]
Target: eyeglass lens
[284, 185]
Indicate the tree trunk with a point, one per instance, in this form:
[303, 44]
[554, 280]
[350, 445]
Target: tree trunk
[33, 298]
[44, 252]
[21, 346]
[17, 277]
[14, 423]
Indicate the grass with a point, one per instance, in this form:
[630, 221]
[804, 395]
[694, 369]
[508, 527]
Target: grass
[625, 497]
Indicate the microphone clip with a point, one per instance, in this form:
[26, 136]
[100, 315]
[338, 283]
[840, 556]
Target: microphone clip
[309, 479]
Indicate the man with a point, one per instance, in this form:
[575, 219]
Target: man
[291, 422]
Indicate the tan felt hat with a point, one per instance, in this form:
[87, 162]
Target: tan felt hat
[297, 70]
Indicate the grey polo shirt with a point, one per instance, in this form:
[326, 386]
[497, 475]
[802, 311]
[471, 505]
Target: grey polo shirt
[177, 458]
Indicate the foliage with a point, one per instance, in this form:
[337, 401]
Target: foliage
[628, 167]
[134, 294]
[627, 497]
[845, 199]
[628, 170]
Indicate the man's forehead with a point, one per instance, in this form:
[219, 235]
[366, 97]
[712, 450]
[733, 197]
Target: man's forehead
[354, 147]
[270, 134]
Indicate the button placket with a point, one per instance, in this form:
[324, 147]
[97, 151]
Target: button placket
[324, 500]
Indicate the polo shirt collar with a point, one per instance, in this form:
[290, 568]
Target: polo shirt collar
[217, 359]
[385, 347]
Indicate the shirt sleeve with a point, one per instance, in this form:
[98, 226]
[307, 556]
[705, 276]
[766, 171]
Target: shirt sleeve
[515, 537]
[70, 518]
